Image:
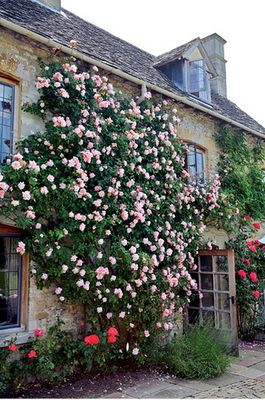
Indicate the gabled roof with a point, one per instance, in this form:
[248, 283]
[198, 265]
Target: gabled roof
[176, 53]
[113, 52]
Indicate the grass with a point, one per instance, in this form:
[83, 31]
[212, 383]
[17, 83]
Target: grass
[201, 353]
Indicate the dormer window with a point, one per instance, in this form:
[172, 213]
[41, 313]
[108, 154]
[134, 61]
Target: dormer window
[198, 80]
[189, 68]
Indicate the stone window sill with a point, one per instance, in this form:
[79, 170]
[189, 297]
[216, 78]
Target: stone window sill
[20, 333]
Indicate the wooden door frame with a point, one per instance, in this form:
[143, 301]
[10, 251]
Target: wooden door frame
[232, 290]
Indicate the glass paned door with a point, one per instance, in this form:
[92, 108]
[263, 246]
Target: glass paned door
[216, 281]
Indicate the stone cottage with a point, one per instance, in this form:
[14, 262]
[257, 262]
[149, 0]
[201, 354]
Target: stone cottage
[192, 75]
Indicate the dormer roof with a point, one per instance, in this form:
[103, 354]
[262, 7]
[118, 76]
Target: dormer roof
[183, 52]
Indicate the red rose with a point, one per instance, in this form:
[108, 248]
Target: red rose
[257, 242]
[247, 261]
[12, 347]
[38, 332]
[256, 293]
[249, 242]
[263, 248]
[32, 354]
[256, 226]
[112, 331]
[253, 276]
[246, 217]
[91, 340]
[242, 273]
[112, 339]
[253, 249]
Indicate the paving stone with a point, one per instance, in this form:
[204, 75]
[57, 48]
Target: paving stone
[261, 378]
[176, 392]
[247, 362]
[247, 372]
[117, 395]
[192, 384]
[259, 355]
[260, 366]
[224, 379]
[148, 388]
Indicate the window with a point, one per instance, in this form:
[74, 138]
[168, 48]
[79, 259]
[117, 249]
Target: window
[10, 281]
[7, 101]
[198, 80]
[195, 163]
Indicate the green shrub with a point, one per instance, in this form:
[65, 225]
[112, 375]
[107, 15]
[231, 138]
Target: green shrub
[200, 353]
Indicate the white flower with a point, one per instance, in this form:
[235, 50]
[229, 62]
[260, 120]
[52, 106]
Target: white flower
[58, 290]
[135, 351]
[99, 310]
[87, 285]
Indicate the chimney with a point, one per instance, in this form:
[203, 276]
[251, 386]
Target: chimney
[54, 5]
[214, 45]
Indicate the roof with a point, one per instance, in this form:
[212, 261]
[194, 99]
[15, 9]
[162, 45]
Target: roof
[178, 52]
[109, 49]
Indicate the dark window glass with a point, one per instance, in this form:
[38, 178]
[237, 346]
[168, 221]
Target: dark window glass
[174, 72]
[10, 282]
[7, 94]
[195, 163]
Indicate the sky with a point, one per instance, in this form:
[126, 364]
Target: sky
[157, 26]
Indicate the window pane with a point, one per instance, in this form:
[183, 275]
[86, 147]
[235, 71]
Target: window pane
[207, 300]
[193, 315]
[195, 164]
[197, 76]
[223, 321]
[222, 264]
[222, 282]
[207, 281]
[10, 273]
[206, 263]
[223, 302]
[6, 119]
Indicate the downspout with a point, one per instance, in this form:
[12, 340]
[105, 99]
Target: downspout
[143, 92]
[124, 75]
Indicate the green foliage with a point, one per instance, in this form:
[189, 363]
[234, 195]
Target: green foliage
[240, 170]
[241, 203]
[201, 353]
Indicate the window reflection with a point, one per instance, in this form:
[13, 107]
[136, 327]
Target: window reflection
[10, 282]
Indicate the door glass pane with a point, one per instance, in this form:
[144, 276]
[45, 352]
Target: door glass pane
[222, 264]
[10, 265]
[223, 320]
[223, 302]
[207, 300]
[208, 317]
[206, 263]
[193, 315]
[195, 301]
[207, 281]
[222, 282]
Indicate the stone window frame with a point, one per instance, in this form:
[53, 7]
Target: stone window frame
[18, 331]
[12, 80]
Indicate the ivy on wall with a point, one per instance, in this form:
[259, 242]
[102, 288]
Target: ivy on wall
[242, 201]
[240, 170]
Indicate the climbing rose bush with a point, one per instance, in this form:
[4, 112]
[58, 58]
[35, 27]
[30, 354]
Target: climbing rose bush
[109, 214]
